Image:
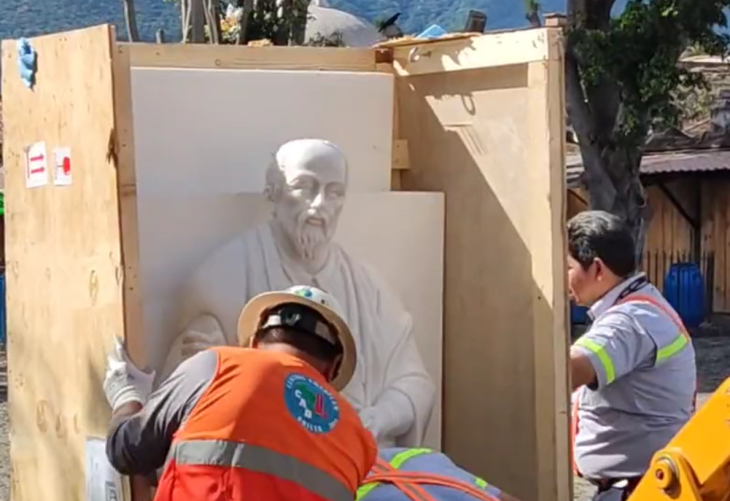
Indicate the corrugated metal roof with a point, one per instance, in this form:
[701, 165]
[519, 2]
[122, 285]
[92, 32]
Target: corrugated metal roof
[662, 163]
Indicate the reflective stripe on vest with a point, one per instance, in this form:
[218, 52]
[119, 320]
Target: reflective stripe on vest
[260, 460]
[409, 482]
[663, 354]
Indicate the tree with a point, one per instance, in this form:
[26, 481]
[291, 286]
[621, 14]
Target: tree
[532, 9]
[623, 81]
[282, 22]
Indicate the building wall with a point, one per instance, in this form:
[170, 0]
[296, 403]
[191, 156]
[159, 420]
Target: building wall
[716, 238]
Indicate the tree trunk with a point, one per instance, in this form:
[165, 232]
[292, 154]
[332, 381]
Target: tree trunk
[130, 17]
[283, 31]
[534, 19]
[299, 22]
[242, 37]
[616, 173]
[611, 166]
[197, 21]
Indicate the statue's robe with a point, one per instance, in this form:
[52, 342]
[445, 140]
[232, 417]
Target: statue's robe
[388, 359]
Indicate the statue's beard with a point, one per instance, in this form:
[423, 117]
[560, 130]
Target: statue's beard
[310, 240]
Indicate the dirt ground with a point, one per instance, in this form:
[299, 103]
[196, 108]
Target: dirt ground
[713, 359]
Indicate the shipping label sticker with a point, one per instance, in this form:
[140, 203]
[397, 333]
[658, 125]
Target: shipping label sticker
[62, 163]
[36, 171]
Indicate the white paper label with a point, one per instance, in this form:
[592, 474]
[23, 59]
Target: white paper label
[62, 163]
[36, 170]
[103, 482]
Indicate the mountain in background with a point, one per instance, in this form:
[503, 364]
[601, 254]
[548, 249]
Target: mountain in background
[26, 18]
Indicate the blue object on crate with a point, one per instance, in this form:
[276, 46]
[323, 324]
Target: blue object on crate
[684, 289]
[578, 314]
[2, 310]
[27, 62]
[433, 31]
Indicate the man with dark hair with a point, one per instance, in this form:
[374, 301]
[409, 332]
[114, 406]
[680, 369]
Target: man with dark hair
[265, 421]
[634, 369]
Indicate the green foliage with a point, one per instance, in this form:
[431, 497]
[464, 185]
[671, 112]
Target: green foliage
[638, 52]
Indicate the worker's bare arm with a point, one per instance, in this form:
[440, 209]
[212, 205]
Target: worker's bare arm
[581, 370]
[615, 345]
[139, 439]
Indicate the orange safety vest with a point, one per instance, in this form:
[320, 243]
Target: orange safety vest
[268, 428]
[411, 483]
[632, 298]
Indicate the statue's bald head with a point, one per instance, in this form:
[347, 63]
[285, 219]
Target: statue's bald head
[307, 182]
[318, 157]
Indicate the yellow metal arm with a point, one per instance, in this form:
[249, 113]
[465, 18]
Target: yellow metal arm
[695, 465]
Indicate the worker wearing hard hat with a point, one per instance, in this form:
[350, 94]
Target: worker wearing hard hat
[234, 421]
[424, 475]
[634, 369]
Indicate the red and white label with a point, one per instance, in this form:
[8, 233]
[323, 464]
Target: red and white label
[62, 163]
[36, 170]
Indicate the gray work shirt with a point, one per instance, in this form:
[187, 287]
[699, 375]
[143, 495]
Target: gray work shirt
[646, 382]
[138, 445]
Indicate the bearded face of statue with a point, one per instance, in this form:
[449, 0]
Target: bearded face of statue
[311, 193]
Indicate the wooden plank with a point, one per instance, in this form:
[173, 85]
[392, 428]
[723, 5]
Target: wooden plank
[484, 51]
[546, 153]
[229, 57]
[400, 154]
[123, 156]
[64, 261]
[471, 136]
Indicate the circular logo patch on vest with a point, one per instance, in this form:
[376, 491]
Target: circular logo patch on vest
[311, 404]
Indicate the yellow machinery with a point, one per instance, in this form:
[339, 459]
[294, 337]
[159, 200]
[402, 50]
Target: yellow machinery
[695, 466]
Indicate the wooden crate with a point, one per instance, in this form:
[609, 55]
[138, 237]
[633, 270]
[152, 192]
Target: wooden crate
[479, 118]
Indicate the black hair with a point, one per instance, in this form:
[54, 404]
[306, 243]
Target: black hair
[598, 234]
[306, 342]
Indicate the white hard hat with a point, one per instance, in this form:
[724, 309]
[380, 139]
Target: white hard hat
[320, 301]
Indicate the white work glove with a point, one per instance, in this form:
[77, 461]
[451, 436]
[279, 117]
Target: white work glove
[124, 382]
[195, 341]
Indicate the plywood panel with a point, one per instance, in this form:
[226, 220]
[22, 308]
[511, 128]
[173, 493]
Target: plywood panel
[505, 335]
[64, 261]
[399, 234]
[199, 56]
[232, 122]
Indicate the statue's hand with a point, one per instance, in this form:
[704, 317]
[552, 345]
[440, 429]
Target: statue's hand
[369, 417]
[391, 416]
[195, 341]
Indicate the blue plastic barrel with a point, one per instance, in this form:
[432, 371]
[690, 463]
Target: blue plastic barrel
[684, 289]
[578, 314]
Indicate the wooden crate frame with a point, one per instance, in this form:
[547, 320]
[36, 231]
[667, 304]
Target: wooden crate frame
[65, 286]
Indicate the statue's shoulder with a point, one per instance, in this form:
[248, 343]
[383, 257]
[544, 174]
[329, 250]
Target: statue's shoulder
[239, 247]
[367, 275]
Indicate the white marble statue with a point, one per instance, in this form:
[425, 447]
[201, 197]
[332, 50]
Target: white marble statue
[307, 184]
